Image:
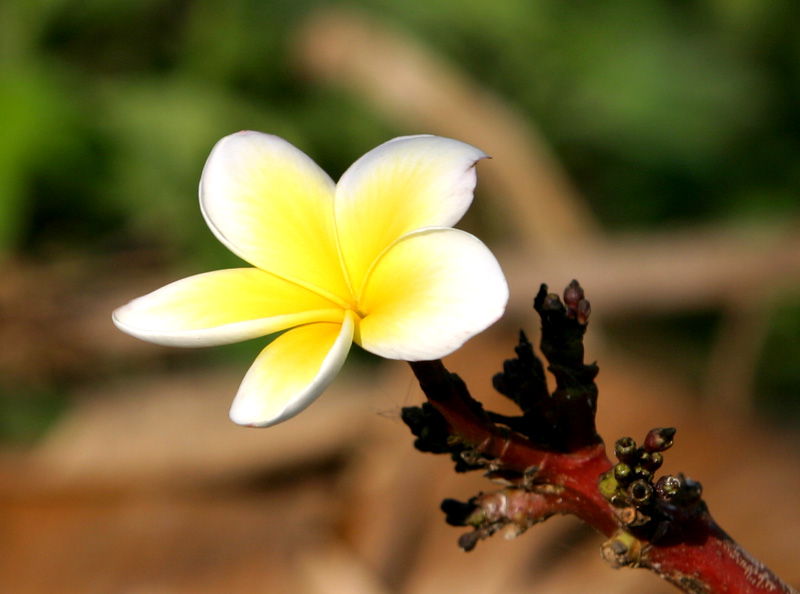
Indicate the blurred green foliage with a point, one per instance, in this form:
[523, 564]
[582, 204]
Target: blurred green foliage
[663, 111]
[26, 417]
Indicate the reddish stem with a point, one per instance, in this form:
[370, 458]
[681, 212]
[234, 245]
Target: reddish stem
[576, 472]
[708, 560]
[703, 560]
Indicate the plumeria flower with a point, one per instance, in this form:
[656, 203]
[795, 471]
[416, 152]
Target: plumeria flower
[372, 259]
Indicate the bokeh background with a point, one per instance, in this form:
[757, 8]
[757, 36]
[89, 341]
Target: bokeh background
[649, 148]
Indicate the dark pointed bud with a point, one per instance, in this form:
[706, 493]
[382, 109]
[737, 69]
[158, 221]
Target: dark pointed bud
[468, 541]
[584, 310]
[659, 439]
[668, 486]
[524, 348]
[625, 449]
[573, 294]
[622, 472]
[640, 492]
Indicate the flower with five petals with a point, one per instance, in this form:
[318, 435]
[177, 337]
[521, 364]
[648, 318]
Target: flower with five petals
[371, 259]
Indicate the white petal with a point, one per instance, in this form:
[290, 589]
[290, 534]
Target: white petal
[222, 307]
[428, 294]
[270, 204]
[402, 185]
[291, 372]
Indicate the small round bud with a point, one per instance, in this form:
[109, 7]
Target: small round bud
[659, 439]
[625, 449]
[622, 472]
[643, 473]
[608, 485]
[668, 486]
[656, 460]
[640, 492]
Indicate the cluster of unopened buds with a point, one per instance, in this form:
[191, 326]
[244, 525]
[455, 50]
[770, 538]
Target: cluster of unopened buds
[645, 505]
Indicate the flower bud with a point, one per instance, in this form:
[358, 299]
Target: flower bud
[659, 439]
[573, 294]
[640, 492]
[622, 472]
[641, 472]
[584, 310]
[668, 486]
[625, 449]
[655, 462]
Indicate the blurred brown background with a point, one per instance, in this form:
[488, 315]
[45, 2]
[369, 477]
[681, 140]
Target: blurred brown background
[649, 149]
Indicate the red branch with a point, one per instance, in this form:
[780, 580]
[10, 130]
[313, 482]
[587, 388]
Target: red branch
[701, 559]
[708, 560]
